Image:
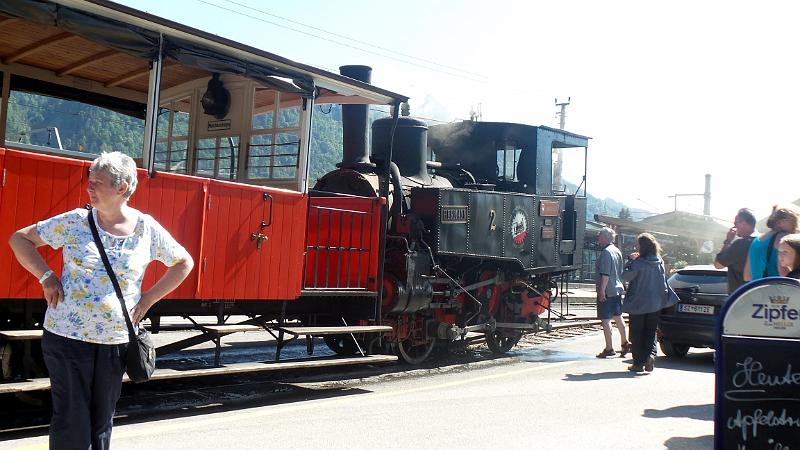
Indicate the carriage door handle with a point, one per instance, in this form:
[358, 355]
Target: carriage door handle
[258, 237]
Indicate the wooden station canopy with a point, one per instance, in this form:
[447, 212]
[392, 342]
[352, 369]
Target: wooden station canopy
[111, 45]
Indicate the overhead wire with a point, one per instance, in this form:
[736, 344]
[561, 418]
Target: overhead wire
[460, 73]
[428, 61]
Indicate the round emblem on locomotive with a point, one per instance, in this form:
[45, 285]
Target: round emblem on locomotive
[519, 227]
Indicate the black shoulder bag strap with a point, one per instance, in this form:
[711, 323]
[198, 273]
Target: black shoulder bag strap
[112, 276]
[769, 254]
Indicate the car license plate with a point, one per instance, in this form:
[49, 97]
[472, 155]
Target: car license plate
[696, 309]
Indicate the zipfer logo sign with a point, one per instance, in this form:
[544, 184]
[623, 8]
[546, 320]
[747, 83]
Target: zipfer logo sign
[766, 310]
[776, 313]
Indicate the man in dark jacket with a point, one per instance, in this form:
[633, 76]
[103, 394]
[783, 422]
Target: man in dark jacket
[734, 250]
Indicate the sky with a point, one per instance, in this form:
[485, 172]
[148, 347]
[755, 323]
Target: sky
[668, 91]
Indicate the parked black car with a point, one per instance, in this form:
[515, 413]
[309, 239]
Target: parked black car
[692, 322]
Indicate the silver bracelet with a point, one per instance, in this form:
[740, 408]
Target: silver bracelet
[45, 276]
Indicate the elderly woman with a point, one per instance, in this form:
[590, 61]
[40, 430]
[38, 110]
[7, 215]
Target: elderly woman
[85, 334]
[648, 293]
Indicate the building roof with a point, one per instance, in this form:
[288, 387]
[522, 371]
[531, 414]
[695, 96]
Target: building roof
[676, 223]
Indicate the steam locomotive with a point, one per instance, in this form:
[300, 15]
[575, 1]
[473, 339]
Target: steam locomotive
[476, 237]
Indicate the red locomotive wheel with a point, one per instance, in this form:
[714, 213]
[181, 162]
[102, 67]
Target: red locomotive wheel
[500, 342]
[415, 354]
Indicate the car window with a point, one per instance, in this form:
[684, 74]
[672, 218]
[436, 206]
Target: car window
[700, 278]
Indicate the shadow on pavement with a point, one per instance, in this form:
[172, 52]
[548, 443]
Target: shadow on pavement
[698, 412]
[164, 400]
[598, 376]
[693, 362]
[690, 443]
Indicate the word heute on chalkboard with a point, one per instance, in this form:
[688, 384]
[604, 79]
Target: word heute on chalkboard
[754, 387]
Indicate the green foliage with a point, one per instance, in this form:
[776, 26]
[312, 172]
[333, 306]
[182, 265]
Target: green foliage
[326, 141]
[82, 127]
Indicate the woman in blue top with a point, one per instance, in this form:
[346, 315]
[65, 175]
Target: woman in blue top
[762, 259]
[647, 294]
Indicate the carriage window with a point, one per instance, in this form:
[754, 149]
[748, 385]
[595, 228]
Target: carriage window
[507, 159]
[66, 126]
[173, 135]
[217, 157]
[274, 144]
[569, 166]
[264, 109]
[289, 117]
[286, 150]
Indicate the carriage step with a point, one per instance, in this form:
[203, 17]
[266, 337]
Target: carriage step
[322, 331]
[41, 384]
[20, 335]
[232, 328]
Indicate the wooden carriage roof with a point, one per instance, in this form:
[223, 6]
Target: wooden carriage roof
[37, 41]
[63, 53]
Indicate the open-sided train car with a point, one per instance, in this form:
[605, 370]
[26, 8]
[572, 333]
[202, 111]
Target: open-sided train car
[221, 132]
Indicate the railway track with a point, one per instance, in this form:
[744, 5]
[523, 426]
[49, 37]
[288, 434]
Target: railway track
[26, 414]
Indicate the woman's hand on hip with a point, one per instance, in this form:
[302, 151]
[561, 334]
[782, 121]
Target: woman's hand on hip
[140, 310]
[53, 291]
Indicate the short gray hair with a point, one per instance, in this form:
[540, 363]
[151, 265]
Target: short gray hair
[120, 167]
[609, 233]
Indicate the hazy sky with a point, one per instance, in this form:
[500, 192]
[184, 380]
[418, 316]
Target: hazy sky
[668, 91]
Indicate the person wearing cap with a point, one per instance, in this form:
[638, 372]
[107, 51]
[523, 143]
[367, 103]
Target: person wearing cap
[733, 254]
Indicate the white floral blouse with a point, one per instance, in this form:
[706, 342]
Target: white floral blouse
[91, 311]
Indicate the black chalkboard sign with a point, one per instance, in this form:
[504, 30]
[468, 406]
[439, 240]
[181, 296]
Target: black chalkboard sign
[758, 368]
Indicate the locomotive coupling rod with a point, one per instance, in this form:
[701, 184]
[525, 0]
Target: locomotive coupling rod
[517, 326]
[480, 284]
[472, 328]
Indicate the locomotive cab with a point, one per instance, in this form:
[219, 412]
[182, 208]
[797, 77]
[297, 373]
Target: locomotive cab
[514, 157]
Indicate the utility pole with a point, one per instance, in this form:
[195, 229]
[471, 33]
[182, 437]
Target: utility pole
[562, 115]
[706, 197]
[475, 114]
[558, 153]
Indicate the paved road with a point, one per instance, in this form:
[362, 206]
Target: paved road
[553, 396]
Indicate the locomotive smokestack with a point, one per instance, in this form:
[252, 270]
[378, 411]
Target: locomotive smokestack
[354, 124]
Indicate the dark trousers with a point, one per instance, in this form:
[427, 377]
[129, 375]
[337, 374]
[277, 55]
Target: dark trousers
[642, 335]
[85, 380]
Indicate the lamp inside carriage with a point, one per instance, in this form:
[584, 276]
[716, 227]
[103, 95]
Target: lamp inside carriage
[419, 237]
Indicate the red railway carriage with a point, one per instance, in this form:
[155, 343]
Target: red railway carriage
[222, 133]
